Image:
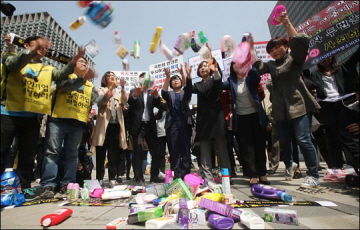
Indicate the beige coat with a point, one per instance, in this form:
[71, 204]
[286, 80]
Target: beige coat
[104, 113]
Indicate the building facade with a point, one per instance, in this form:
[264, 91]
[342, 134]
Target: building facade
[41, 24]
[298, 12]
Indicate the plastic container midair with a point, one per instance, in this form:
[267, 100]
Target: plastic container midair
[79, 22]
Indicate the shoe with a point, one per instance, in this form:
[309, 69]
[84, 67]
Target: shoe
[297, 175]
[161, 175]
[253, 181]
[30, 193]
[37, 181]
[157, 180]
[234, 175]
[62, 194]
[310, 182]
[265, 181]
[63, 190]
[270, 171]
[232, 182]
[289, 172]
[48, 193]
[112, 183]
[101, 182]
[140, 182]
[119, 180]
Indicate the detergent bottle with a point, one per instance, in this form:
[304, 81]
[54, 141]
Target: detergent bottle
[56, 217]
[268, 192]
[220, 222]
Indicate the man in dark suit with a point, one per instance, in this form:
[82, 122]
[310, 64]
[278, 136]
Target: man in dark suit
[141, 102]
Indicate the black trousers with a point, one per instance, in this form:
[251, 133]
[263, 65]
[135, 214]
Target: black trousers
[251, 138]
[162, 152]
[27, 129]
[179, 136]
[115, 155]
[148, 134]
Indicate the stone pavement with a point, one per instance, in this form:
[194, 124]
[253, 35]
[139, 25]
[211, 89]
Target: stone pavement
[343, 216]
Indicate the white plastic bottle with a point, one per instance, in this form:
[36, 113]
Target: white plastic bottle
[225, 180]
[117, 39]
[84, 192]
[159, 222]
[251, 219]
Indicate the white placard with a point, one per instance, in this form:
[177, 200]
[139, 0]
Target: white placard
[195, 61]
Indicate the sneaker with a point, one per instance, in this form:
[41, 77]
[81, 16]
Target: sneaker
[30, 193]
[112, 183]
[37, 180]
[101, 182]
[310, 182]
[161, 175]
[48, 193]
[289, 172]
[119, 180]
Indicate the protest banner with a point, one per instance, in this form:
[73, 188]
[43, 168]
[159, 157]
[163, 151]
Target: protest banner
[131, 78]
[156, 71]
[332, 30]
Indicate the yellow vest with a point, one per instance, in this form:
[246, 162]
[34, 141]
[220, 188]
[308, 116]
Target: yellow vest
[29, 89]
[74, 104]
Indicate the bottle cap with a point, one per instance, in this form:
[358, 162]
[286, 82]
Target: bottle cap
[46, 222]
[224, 172]
[285, 196]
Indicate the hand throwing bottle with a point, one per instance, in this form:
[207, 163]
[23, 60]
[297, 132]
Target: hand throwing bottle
[56, 217]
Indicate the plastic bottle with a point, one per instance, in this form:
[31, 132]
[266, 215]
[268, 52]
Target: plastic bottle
[202, 37]
[243, 57]
[159, 222]
[56, 217]
[73, 190]
[251, 219]
[268, 192]
[84, 192]
[125, 63]
[193, 182]
[117, 39]
[220, 222]
[194, 45]
[145, 215]
[204, 53]
[276, 13]
[225, 180]
[10, 185]
[79, 22]
[182, 43]
[155, 41]
[166, 51]
[168, 176]
[110, 194]
[136, 51]
[227, 46]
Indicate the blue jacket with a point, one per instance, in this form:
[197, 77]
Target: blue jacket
[252, 81]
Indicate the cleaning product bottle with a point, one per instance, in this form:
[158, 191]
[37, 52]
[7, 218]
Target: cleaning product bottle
[166, 51]
[202, 37]
[251, 219]
[268, 192]
[110, 194]
[220, 222]
[276, 14]
[225, 180]
[73, 190]
[193, 182]
[145, 215]
[136, 51]
[84, 192]
[117, 39]
[194, 44]
[55, 217]
[168, 176]
[159, 222]
[79, 22]
[156, 38]
[10, 187]
[227, 46]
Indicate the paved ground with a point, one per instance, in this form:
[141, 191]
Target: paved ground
[343, 216]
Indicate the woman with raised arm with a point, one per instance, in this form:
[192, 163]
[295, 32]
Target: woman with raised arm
[178, 124]
[292, 103]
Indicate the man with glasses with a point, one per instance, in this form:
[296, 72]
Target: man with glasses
[71, 107]
[27, 98]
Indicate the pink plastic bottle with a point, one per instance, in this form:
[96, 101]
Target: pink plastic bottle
[243, 57]
[56, 217]
[193, 182]
[168, 176]
[73, 190]
[276, 13]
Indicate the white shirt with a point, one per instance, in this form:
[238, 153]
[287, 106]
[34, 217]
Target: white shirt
[331, 88]
[245, 103]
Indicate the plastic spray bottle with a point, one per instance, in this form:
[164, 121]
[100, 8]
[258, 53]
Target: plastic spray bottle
[117, 39]
[168, 176]
[84, 192]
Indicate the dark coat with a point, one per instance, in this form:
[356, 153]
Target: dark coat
[252, 81]
[185, 98]
[210, 120]
[136, 110]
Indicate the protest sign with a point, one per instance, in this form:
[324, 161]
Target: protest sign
[156, 71]
[196, 60]
[332, 30]
[131, 78]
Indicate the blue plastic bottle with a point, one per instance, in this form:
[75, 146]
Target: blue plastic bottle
[268, 192]
[10, 189]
